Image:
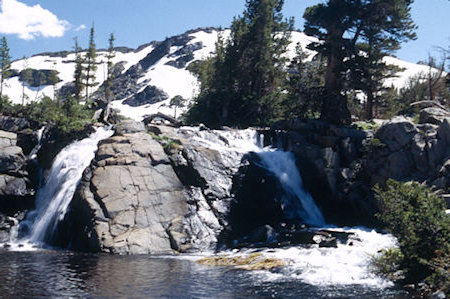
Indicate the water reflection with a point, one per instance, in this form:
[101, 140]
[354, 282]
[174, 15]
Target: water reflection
[67, 274]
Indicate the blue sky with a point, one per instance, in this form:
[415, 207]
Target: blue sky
[33, 27]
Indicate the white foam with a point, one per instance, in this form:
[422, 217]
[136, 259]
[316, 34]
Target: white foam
[348, 264]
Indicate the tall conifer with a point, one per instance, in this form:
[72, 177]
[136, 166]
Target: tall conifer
[243, 83]
[78, 72]
[90, 65]
[109, 69]
[5, 64]
[345, 27]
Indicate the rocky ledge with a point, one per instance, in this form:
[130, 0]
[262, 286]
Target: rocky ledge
[16, 191]
[162, 190]
[131, 200]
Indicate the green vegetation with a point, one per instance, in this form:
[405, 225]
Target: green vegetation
[89, 65]
[248, 82]
[170, 145]
[243, 84]
[176, 102]
[5, 64]
[354, 37]
[417, 218]
[109, 70]
[68, 116]
[305, 86]
[375, 144]
[78, 72]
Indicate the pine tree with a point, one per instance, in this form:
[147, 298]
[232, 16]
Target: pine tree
[345, 25]
[177, 102]
[78, 73]
[5, 64]
[90, 65]
[305, 84]
[109, 69]
[243, 83]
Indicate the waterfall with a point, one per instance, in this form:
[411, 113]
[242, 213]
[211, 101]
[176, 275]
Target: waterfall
[34, 151]
[53, 199]
[297, 202]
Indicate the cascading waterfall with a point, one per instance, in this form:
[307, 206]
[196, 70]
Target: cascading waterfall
[297, 203]
[53, 198]
[348, 264]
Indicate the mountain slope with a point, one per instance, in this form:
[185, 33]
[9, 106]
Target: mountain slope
[148, 77]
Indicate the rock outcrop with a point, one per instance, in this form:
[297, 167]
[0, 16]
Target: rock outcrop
[141, 197]
[340, 165]
[409, 151]
[15, 189]
[150, 95]
[132, 197]
[131, 200]
[189, 189]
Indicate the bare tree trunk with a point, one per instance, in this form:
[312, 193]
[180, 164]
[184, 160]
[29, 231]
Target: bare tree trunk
[334, 107]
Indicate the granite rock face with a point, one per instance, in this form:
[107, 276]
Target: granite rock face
[132, 197]
[412, 152]
[140, 198]
[16, 193]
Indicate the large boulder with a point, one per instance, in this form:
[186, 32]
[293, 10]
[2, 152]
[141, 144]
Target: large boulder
[406, 151]
[131, 201]
[16, 192]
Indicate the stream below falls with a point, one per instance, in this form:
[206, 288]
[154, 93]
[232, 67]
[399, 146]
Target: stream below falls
[47, 273]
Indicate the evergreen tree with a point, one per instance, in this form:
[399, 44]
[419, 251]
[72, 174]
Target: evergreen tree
[78, 73]
[5, 64]
[177, 102]
[243, 83]
[109, 69]
[90, 65]
[345, 26]
[305, 84]
[26, 76]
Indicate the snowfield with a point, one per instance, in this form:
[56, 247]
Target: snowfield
[172, 80]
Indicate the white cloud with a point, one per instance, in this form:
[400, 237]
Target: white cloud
[81, 27]
[29, 22]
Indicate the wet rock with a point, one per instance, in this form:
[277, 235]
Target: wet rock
[13, 124]
[325, 240]
[262, 234]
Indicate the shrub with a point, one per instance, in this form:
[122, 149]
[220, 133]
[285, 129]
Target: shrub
[417, 218]
[67, 116]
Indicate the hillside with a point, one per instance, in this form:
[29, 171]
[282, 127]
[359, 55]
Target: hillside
[149, 76]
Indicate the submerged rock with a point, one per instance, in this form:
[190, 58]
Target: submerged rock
[253, 261]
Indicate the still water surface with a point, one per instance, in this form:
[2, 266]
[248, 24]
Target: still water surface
[48, 273]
